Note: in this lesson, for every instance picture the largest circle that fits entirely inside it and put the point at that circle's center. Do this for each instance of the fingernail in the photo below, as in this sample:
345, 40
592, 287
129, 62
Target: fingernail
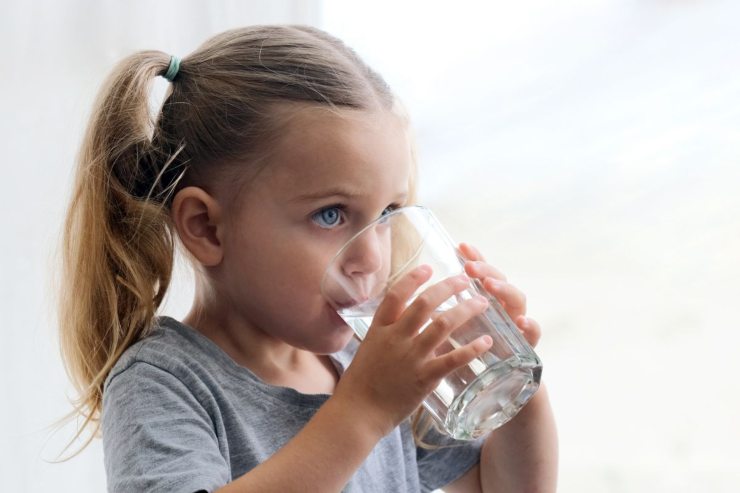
484, 342
481, 300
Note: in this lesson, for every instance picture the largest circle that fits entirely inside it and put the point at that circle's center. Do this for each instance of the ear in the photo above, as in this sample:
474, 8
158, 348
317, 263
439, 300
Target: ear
199, 223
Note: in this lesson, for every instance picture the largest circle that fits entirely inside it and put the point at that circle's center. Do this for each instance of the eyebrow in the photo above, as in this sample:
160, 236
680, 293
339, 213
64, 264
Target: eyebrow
336, 192
327, 192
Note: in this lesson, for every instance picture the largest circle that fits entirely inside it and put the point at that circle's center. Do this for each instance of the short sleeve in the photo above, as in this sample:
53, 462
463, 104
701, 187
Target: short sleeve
157, 436
445, 459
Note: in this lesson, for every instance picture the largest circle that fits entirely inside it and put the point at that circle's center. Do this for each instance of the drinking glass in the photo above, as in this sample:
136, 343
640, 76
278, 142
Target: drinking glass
475, 398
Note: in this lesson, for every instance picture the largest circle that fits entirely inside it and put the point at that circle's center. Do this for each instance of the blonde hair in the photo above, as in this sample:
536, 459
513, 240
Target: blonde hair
118, 241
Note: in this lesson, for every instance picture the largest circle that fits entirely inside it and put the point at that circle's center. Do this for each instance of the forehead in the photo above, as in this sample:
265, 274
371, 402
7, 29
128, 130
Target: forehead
319, 149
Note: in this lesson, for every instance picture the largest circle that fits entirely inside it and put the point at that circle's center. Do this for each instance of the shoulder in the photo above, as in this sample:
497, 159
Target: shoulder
159, 399
175, 368
160, 345
170, 348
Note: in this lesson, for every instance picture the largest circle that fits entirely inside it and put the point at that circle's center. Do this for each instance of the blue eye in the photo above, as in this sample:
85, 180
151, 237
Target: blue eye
328, 218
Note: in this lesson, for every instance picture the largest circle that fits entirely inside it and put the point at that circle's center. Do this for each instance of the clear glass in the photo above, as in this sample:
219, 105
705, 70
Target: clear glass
476, 398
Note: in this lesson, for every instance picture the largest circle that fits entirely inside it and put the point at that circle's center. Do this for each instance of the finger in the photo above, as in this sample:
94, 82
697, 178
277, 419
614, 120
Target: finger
513, 299
420, 311
480, 270
448, 321
530, 329
442, 365
394, 302
470, 252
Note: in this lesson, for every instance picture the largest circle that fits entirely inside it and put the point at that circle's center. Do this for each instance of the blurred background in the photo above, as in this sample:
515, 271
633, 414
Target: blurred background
590, 148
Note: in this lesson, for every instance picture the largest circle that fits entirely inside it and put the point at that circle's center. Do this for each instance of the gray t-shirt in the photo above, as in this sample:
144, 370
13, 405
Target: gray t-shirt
180, 415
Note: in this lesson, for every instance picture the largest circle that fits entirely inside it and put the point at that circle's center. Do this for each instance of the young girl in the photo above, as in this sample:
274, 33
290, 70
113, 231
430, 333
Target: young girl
274, 145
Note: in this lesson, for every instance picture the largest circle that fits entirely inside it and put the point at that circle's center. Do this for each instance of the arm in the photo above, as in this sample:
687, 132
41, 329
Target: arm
393, 370
327, 451
521, 456
516, 458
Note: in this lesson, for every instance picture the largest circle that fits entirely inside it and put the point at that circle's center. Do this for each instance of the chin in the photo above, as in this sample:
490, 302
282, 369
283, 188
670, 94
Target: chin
339, 338
347, 336
332, 334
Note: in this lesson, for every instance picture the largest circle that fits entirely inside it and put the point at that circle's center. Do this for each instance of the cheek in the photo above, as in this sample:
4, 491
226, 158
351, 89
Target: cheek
284, 262
293, 272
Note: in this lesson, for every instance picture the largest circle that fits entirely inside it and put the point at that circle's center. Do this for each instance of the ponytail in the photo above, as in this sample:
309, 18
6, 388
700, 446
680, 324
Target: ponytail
117, 247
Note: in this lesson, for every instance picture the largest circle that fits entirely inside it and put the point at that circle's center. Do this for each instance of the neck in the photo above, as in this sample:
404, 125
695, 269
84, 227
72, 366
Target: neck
272, 360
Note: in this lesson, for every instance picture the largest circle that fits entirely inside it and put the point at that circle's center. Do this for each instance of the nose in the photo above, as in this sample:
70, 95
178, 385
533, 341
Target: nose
367, 254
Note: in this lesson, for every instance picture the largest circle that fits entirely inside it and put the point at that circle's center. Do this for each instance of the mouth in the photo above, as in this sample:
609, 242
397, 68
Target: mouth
341, 305
335, 317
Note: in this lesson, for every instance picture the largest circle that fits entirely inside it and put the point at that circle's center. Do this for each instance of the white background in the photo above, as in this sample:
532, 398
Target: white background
591, 149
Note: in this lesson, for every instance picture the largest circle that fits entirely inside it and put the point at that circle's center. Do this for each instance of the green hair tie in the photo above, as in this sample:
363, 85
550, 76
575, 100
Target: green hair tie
172, 69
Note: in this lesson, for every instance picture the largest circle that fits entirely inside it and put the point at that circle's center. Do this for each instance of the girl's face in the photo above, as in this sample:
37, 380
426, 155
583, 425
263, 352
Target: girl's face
330, 174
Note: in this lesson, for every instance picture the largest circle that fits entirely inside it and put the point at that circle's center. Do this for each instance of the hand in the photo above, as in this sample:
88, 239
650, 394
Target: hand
396, 366
511, 298
523, 454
